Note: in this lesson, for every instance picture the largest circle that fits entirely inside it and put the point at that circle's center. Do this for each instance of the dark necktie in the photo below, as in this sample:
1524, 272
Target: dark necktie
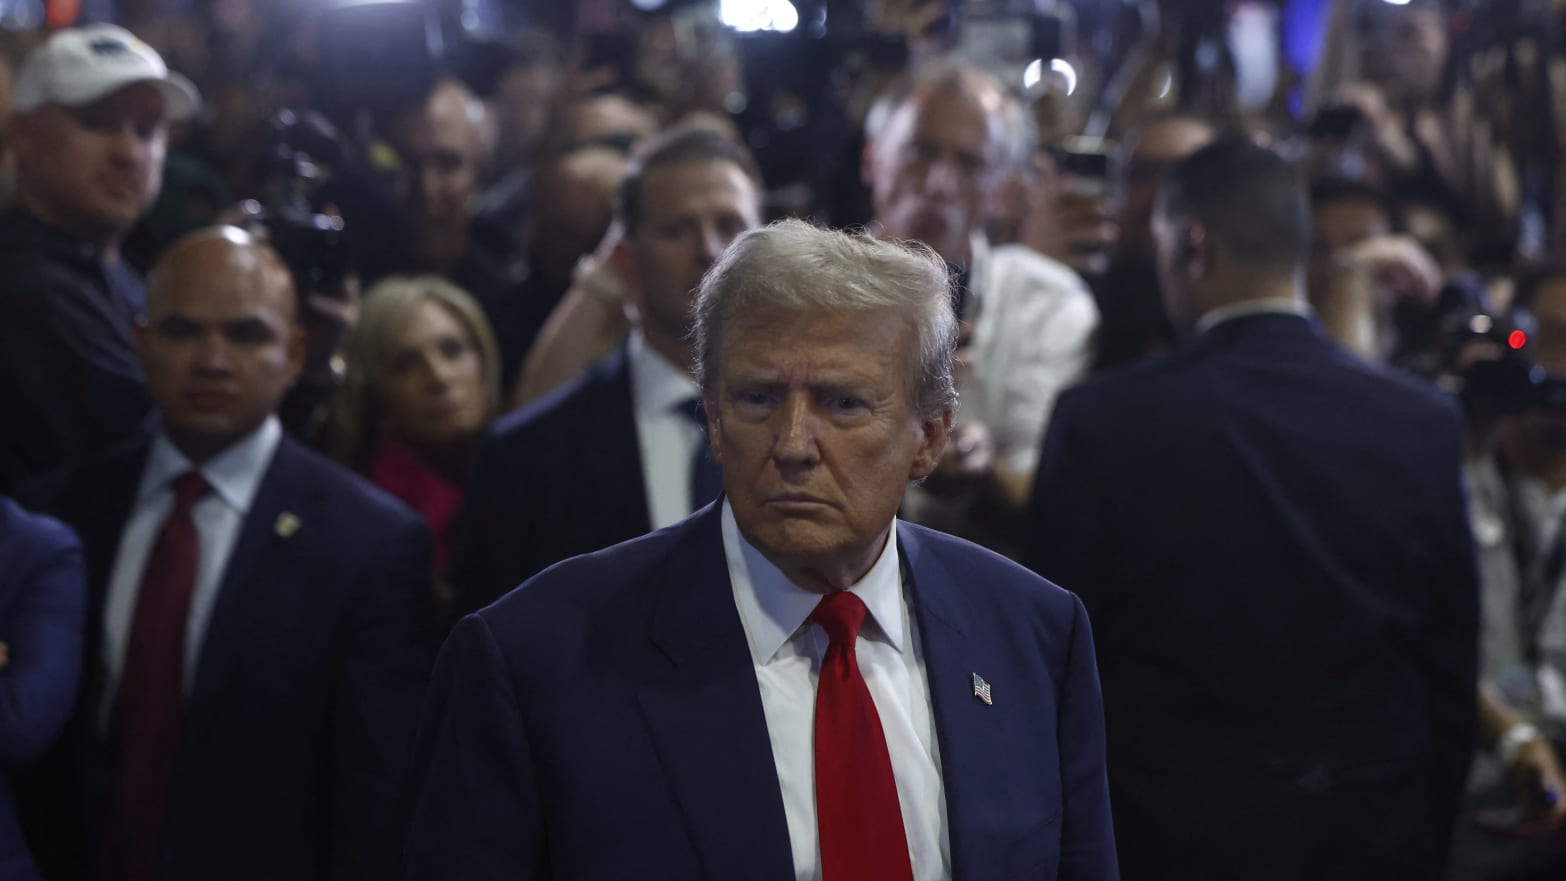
706, 476
150, 701
857, 813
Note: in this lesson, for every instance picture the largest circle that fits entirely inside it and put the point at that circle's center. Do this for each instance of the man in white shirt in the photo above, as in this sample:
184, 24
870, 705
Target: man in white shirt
790, 684
261, 619
938, 147
619, 451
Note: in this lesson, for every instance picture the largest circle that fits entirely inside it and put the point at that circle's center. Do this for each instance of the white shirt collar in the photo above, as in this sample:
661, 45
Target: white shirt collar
657, 386
1271, 306
772, 608
234, 474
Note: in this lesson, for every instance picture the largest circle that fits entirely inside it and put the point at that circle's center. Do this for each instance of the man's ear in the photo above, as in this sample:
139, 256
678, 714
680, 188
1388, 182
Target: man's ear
1197, 250
625, 267
934, 432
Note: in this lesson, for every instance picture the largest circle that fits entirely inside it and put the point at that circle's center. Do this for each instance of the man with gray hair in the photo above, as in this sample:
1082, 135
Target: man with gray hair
938, 148
706, 698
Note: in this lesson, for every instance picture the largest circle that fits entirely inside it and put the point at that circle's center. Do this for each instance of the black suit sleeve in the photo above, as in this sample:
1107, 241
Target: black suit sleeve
383, 669
473, 800
1087, 838
1449, 653
1067, 531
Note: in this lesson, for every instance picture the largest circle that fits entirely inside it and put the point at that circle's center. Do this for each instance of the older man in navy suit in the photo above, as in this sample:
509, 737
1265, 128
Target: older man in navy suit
1272, 538
260, 621
790, 683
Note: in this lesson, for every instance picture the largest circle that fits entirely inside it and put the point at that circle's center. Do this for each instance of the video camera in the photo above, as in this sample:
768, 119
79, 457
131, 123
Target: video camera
304, 153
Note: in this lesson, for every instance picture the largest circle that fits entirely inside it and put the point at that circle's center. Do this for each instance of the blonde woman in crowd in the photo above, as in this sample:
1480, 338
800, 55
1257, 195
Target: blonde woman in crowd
422, 382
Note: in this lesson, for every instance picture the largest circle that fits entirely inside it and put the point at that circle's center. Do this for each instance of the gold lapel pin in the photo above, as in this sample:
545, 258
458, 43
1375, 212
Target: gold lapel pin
286, 525
981, 690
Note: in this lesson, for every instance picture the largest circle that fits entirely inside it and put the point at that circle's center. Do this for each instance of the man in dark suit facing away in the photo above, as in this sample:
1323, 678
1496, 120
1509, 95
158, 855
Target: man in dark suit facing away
1272, 539
259, 620
791, 683
619, 451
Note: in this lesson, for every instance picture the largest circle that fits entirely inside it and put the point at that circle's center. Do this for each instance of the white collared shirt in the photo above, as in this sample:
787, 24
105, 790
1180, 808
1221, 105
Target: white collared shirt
1033, 322
234, 475
787, 651
1270, 306
667, 437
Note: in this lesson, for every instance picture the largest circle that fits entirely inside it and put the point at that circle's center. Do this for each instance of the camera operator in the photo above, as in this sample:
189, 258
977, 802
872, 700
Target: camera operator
1517, 489
1362, 277
93, 109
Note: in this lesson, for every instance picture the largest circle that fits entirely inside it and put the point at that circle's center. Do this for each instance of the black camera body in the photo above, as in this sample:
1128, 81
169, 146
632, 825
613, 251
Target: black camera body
304, 152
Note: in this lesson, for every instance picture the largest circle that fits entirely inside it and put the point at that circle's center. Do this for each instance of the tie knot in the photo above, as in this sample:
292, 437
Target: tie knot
189, 487
840, 614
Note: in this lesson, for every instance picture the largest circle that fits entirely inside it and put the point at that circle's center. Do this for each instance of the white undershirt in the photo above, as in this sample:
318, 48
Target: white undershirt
1268, 306
234, 475
666, 436
787, 651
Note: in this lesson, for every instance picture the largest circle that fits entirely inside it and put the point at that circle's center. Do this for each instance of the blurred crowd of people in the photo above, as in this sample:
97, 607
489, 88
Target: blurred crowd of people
339, 358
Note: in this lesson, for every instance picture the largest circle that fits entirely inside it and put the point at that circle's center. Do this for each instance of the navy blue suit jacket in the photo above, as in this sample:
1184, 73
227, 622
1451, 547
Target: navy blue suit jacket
305, 704
558, 478
1271, 537
604, 721
43, 597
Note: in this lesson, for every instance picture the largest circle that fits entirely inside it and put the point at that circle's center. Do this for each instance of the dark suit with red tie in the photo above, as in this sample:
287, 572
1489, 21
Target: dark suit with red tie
604, 721
296, 730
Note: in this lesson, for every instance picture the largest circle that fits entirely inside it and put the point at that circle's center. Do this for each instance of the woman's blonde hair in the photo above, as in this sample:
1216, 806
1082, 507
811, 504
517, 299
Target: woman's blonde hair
353, 422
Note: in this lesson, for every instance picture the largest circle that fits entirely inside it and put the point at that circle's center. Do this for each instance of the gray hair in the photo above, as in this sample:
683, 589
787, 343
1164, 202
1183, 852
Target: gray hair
795, 266
1018, 133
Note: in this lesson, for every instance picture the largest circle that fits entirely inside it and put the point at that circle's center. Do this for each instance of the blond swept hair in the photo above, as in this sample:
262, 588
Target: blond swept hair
388, 307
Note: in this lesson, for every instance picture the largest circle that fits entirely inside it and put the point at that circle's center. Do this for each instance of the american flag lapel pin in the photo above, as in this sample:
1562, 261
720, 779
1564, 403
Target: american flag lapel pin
981, 690
287, 524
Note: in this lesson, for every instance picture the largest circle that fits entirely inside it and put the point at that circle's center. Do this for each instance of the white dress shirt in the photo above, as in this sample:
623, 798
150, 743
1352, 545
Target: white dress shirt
1270, 306
234, 475
787, 651
1033, 321
667, 436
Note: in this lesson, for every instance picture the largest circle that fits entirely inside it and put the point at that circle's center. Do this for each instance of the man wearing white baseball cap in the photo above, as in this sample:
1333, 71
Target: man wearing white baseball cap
89, 130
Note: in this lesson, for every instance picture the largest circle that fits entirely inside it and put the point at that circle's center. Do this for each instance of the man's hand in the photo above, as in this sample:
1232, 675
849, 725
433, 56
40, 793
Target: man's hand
1067, 224
1540, 789
1399, 269
5, 656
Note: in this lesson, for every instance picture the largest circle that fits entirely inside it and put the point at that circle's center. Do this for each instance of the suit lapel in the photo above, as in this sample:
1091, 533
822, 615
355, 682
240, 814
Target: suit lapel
621, 474
975, 763
244, 598
704, 710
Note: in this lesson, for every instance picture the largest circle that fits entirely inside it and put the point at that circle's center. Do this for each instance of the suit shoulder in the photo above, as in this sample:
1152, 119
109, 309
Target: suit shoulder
540, 419
31, 535
981, 569
568, 591
365, 504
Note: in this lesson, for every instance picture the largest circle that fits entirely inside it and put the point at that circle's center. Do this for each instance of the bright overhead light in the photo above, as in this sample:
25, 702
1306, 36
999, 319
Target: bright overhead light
751, 16
1069, 73
1033, 73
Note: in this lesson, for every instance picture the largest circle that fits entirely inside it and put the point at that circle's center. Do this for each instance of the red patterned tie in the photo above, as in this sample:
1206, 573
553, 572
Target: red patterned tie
150, 699
857, 813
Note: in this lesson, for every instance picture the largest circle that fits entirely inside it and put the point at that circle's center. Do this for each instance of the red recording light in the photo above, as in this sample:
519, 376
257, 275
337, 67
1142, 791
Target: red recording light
1517, 339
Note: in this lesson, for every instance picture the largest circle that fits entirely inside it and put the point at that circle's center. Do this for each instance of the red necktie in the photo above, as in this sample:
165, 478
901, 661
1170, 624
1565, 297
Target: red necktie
150, 700
857, 813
